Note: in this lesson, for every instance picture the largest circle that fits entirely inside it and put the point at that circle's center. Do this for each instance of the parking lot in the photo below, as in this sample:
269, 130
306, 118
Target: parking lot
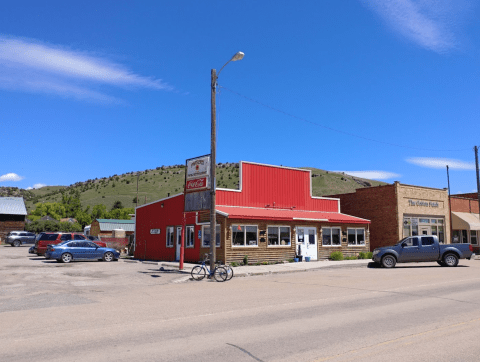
126, 310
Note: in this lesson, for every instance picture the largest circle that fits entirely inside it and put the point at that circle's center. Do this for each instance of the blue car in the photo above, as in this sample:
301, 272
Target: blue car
80, 250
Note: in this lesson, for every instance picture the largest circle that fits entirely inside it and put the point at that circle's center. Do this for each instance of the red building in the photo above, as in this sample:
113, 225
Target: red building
271, 217
465, 219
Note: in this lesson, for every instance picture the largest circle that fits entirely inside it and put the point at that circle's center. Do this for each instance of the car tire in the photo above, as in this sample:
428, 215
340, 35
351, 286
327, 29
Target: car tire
450, 260
16, 243
441, 263
66, 258
108, 256
389, 261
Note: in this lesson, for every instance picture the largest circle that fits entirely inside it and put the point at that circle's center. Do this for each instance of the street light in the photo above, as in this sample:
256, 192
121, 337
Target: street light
213, 147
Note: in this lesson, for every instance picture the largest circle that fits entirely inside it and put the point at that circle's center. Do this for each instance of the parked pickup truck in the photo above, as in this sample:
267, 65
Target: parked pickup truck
422, 248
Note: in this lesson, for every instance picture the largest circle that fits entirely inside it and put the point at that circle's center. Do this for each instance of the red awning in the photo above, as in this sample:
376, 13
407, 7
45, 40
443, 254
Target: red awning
233, 212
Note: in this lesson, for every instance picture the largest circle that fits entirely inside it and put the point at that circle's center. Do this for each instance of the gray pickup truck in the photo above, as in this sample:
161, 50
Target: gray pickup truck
422, 248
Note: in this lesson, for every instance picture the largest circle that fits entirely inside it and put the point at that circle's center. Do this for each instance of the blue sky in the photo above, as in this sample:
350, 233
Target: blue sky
384, 89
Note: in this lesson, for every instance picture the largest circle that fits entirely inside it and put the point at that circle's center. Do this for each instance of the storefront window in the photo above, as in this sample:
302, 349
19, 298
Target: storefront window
244, 235
455, 236
473, 237
424, 221
331, 236
170, 236
206, 236
279, 235
434, 230
441, 235
190, 236
356, 236
464, 237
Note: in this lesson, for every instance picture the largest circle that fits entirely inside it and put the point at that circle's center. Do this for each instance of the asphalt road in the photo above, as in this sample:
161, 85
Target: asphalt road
124, 311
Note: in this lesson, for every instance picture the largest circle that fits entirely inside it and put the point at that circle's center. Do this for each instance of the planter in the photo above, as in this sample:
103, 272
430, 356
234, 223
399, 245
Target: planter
295, 260
307, 258
299, 257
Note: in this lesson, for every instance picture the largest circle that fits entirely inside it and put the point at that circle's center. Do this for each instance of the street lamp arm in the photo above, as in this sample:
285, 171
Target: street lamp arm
237, 56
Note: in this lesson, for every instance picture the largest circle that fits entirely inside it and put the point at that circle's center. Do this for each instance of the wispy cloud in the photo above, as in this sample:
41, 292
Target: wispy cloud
372, 175
430, 24
36, 186
434, 162
29, 65
11, 177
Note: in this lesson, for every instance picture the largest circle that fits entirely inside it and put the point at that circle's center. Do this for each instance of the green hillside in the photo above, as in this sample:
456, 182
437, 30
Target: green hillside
158, 183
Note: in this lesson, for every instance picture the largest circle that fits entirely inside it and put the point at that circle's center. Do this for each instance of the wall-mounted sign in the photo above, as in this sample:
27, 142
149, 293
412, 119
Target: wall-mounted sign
198, 167
154, 231
196, 184
422, 203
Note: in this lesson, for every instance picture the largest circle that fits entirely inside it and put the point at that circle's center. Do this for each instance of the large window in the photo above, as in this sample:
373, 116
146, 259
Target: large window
190, 236
331, 237
278, 235
206, 236
244, 235
170, 235
356, 236
473, 237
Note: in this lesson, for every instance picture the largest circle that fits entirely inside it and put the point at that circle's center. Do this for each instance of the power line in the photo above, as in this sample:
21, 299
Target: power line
337, 130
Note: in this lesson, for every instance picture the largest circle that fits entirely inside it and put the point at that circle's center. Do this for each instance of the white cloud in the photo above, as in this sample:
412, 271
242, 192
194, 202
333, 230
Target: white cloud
38, 186
430, 24
435, 162
372, 175
11, 177
28, 65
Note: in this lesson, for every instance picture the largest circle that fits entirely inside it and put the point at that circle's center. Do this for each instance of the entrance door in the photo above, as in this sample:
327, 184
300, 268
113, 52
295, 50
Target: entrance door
425, 230
307, 242
178, 243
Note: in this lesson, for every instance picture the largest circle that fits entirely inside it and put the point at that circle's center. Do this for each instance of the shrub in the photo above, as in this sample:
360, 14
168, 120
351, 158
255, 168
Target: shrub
291, 260
365, 255
245, 260
265, 263
234, 263
353, 257
336, 255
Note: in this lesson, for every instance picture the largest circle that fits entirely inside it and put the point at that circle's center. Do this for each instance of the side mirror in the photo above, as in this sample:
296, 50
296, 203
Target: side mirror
404, 244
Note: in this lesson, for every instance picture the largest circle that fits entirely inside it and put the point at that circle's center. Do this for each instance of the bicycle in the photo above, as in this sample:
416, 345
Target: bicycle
219, 273
228, 268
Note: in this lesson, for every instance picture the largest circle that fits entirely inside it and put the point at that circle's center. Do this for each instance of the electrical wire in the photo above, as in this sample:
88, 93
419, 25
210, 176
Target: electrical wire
337, 130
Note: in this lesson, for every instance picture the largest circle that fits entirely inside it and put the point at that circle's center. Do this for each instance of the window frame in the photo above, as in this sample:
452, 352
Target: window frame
186, 236
244, 236
278, 229
170, 231
331, 236
217, 245
356, 235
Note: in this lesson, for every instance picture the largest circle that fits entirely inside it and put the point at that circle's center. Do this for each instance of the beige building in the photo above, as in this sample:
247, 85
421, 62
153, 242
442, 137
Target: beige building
399, 210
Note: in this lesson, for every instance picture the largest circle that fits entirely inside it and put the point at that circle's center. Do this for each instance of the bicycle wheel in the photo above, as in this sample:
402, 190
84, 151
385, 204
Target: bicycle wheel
220, 274
229, 272
198, 273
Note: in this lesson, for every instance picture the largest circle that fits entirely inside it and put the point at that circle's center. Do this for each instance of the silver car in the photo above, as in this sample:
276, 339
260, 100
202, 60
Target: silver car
17, 238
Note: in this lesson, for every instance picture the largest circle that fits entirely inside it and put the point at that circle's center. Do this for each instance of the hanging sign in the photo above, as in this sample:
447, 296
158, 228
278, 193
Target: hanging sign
197, 184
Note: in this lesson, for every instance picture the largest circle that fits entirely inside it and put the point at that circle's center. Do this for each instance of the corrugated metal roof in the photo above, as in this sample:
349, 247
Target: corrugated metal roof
12, 206
111, 224
285, 214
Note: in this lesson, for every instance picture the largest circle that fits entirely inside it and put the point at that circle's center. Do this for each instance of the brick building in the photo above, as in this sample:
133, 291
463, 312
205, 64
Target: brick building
465, 219
12, 215
271, 217
399, 210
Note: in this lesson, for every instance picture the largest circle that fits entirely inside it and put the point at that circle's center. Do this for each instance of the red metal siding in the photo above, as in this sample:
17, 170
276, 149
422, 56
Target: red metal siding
280, 187
154, 216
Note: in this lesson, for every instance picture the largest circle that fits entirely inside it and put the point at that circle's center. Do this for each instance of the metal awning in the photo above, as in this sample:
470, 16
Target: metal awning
465, 221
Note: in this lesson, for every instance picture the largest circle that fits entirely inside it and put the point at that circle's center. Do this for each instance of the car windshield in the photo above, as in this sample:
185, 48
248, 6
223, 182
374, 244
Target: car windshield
401, 241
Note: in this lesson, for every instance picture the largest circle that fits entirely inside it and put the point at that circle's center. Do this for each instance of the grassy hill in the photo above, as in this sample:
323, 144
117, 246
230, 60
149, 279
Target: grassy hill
158, 183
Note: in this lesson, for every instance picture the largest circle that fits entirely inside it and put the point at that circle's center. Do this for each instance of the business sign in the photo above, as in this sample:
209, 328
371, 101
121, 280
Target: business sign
422, 203
154, 231
197, 184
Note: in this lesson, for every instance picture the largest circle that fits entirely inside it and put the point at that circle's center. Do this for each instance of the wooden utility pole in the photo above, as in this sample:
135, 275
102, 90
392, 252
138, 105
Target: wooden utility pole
449, 207
478, 178
213, 147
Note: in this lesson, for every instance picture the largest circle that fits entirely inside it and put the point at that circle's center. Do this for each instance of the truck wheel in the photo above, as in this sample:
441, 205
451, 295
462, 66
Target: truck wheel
441, 263
389, 261
450, 259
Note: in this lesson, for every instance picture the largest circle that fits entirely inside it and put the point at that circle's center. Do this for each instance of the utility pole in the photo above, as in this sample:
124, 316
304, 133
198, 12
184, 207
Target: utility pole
213, 147
449, 207
478, 178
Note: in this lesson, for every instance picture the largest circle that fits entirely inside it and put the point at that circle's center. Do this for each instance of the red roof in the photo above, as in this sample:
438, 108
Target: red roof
287, 214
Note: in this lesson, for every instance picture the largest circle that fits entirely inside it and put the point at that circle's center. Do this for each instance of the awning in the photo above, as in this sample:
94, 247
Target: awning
252, 213
465, 221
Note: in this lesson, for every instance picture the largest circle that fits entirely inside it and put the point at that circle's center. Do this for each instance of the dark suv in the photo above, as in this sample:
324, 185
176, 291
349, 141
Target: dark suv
17, 238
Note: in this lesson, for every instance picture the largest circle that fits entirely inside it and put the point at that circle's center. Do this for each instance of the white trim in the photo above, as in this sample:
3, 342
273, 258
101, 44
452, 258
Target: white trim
244, 236
302, 218
331, 236
154, 202
355, 217
278, 227
221, 212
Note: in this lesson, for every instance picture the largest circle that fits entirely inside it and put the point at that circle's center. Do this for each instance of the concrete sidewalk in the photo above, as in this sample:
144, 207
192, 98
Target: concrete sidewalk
244, 271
